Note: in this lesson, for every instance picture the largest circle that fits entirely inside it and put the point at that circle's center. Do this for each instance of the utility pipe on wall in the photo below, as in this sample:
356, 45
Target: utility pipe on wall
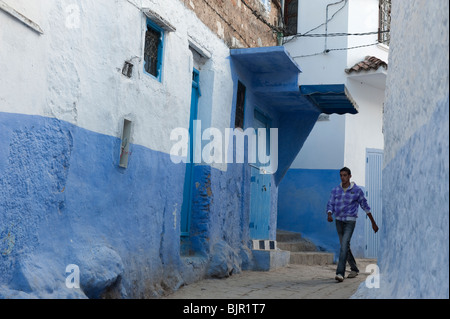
281, 23
326, 21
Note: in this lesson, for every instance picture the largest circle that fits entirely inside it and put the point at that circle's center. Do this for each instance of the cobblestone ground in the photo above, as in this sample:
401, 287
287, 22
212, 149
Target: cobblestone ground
290, 282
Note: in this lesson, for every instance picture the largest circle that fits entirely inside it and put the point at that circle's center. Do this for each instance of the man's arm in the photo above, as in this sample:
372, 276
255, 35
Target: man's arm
364, 205
330, 207
374, 224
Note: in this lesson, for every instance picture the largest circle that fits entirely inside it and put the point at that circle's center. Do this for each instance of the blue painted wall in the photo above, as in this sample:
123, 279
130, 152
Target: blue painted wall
276, 95
63, 197
415, 233
302, 202
65, 200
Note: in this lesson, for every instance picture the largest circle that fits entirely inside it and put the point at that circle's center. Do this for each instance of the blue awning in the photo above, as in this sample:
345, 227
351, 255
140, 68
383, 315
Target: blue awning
330, 98
275, 81
273, 77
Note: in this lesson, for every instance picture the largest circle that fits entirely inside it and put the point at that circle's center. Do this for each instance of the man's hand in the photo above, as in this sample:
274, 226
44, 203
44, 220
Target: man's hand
330, 217
374, 225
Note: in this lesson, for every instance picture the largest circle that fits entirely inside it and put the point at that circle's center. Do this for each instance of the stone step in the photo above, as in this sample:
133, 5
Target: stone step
311, 258
302, 245
288, 236
266, 260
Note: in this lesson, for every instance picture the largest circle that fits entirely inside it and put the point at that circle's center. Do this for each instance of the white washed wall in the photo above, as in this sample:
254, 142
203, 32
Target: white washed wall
363, 130
324, 148
343, 140
414, 251
363, 18
71, 73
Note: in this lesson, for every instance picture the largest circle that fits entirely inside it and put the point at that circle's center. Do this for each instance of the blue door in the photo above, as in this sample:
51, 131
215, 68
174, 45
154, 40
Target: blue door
260, 185
374, 168
188, 180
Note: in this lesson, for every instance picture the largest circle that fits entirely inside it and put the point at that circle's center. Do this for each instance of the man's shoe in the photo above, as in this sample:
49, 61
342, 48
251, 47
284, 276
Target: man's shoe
339, 278
352, 274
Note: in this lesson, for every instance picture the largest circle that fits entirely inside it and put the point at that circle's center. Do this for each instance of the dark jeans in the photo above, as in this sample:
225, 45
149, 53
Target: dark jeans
345, 231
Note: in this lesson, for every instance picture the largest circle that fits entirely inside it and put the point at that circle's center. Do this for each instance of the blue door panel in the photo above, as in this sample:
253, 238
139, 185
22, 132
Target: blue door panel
188, 180
260, 204
374, 168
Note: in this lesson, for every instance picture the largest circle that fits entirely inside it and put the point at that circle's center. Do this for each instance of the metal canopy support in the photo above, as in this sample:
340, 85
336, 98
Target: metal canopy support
331, 98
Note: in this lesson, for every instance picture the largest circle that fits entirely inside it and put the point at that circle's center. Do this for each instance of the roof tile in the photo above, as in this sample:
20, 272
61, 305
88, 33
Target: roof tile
369, 63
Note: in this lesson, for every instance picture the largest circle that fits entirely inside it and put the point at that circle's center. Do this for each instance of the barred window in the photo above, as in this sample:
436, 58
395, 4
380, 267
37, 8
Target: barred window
384, 35
290, 17
240, 106
154, 37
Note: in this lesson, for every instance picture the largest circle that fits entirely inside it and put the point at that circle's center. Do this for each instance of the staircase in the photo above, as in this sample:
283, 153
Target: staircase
303, 251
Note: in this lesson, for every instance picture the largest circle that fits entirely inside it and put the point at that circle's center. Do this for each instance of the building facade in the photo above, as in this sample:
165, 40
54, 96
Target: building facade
118, 176
337, 43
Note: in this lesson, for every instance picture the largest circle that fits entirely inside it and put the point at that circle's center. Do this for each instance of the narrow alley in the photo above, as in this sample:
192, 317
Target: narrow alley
185, 150
291, 282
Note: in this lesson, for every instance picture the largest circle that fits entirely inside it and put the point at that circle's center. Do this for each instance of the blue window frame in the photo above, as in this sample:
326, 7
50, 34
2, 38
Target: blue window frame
153, 50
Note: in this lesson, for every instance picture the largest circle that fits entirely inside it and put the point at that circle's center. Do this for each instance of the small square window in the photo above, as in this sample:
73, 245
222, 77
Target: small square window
153, 51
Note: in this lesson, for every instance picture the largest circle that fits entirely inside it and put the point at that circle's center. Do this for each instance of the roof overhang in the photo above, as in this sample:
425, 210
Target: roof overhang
371, 71
275, 81
274, 76
330, 98
266, 60
375, 78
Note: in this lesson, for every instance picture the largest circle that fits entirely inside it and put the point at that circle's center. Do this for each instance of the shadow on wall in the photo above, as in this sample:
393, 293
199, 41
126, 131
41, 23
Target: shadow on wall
302, 201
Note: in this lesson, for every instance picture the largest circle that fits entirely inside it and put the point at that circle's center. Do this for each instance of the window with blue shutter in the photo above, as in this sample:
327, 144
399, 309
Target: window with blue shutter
153, 51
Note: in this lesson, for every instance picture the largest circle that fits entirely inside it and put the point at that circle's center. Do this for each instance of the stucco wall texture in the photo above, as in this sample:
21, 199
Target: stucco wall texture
414, 244
63, 197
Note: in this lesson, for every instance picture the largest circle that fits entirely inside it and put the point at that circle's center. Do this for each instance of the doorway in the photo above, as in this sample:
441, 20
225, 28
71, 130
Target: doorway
260, 186
186, 208
374, 170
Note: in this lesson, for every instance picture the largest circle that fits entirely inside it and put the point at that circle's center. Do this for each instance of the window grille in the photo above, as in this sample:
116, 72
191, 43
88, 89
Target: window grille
290, 17
153, 51
384, 35
240, 105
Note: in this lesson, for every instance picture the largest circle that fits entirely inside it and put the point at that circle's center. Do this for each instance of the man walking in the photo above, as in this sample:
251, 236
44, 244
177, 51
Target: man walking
343, 203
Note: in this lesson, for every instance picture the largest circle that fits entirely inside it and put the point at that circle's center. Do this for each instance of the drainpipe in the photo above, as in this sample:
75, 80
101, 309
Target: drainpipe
326, 23
281, 24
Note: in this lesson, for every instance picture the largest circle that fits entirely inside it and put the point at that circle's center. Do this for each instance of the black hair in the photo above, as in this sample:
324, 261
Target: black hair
346, 169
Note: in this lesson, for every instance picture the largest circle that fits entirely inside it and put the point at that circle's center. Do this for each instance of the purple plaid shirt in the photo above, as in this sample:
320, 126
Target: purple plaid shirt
345, 204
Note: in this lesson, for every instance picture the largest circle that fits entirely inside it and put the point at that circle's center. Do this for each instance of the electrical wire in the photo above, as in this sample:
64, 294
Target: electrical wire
259, 17
228, 23
339, 49
135, 5
320, 25
340, 34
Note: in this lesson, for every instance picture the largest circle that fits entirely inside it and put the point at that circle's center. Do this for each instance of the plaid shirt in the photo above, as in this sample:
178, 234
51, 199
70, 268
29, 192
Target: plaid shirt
345, 204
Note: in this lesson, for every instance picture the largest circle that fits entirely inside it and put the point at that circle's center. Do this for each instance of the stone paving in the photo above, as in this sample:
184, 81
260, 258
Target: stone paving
290, 282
